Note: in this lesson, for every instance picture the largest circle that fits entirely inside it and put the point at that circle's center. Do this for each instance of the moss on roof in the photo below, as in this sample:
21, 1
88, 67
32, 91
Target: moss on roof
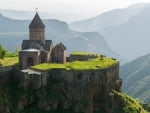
97, 63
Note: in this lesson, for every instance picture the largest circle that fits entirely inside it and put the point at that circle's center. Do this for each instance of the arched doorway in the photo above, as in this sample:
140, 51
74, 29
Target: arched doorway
30, 61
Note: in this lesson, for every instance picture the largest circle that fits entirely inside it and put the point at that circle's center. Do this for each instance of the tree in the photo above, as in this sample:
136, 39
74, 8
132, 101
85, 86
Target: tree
2, 52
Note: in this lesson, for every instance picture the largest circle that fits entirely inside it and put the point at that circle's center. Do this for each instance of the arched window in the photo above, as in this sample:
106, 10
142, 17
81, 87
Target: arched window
30, 61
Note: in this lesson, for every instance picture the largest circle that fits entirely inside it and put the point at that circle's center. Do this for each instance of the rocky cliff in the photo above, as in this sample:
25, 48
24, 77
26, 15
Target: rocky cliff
65, 91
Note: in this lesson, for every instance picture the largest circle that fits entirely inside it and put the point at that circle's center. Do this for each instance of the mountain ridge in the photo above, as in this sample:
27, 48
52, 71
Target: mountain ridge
122, 27
56, 30
123, 13
136, 78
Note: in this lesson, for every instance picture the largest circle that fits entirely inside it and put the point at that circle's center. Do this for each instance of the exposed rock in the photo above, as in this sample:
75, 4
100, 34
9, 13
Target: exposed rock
4, 109
31, 78
81, 91
23, 102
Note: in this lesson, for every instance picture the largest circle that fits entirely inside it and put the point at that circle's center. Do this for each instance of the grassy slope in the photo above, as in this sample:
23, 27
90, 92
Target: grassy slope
82, 53
124, 103
79, 65
136, 78
9, 61
130, 105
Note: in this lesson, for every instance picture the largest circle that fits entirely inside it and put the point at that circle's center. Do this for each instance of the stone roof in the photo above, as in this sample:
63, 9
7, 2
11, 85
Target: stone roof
36, 44
30, 71
48, 44
61, 45
36, 22
31, 50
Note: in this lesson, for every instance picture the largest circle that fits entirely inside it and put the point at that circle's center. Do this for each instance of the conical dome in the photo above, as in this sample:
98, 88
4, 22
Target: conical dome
36, 22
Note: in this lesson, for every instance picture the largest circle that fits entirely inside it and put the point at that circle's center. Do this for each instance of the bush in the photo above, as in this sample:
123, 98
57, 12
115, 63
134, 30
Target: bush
2, 52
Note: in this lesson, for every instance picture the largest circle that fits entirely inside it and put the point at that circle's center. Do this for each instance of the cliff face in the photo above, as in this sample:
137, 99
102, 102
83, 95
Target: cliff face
67, 91
81, 90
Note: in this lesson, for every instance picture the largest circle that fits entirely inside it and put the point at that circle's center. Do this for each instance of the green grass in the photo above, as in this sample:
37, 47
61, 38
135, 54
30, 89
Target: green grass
79, 65
81, 53
130, 104
46, 66
9, 61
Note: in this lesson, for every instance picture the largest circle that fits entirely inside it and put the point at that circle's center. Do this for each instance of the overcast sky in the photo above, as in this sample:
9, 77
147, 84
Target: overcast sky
83, 8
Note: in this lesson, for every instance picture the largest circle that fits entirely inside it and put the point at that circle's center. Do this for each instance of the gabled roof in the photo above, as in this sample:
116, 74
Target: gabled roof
61, 45
36, 22
31, 50
36, 44
27, 44
48, 44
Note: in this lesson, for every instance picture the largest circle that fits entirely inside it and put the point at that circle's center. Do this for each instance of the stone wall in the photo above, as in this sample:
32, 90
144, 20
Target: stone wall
58, 55
5, 69
25, 55
69, 91
45, 56
81, 77
33, 79
37, 34
81, 57
85, 91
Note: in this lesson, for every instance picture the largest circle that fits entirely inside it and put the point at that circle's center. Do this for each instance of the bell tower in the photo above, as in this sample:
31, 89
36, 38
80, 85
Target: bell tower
37, 29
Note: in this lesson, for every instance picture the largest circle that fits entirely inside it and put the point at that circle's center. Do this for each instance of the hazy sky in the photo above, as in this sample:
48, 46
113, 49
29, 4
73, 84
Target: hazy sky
83, 8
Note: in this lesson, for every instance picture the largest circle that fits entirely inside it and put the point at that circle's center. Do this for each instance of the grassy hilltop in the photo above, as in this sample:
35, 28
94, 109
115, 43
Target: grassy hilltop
13, 97
96, 63
10, 59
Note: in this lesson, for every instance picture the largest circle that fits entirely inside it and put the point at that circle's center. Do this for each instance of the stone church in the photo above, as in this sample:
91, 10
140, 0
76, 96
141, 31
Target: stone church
37, 50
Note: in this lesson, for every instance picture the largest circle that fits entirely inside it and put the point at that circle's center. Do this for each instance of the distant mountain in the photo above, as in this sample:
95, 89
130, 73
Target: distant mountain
27, 14
17, 14
132, 37
12, 32
127, 30
10, 25
136, 78
107, 19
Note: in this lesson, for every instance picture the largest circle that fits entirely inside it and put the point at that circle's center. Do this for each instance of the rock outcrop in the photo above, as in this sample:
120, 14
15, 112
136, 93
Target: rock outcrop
82, 90
67, 91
